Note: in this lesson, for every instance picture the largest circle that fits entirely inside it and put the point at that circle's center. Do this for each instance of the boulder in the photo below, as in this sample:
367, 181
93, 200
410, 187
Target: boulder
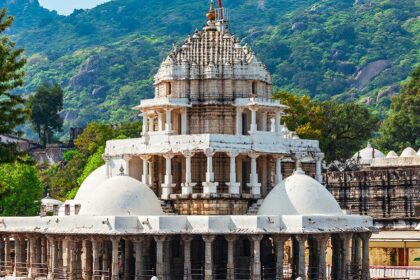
387, 92
370, 71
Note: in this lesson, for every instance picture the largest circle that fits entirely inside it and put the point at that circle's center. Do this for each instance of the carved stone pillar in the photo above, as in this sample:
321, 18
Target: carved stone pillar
279, 175
53, 258
253, 177
127, 257
256, 264
138, 249
278, 121
7, 256
365, 255
145, 126
86, 259
208, 262
115, 275
322, 247
233, 184
279, 241
231, 239
187, 187
187, 239
18, 256
184, 121
168, 123
300, 256
32, 270
253, 127
145, 176
160, 265
345, 254
239, 112
210, 187
167, 186
95, 258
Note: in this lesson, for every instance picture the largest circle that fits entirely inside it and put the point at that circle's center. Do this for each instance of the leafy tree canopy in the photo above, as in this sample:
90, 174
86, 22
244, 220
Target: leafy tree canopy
341, 128
79, 163
20, 190
12, 112
44, 107
402, 127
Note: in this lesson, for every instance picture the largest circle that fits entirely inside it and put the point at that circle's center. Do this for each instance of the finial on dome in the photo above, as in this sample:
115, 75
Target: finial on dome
211, 15
369, 145
122, 173
299, 171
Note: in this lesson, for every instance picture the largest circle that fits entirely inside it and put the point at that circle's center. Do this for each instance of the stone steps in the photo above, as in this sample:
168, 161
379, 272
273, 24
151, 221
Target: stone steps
167, 207
253, 209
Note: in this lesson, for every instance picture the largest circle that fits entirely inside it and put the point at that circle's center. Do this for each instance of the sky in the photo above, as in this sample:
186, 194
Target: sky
66, 7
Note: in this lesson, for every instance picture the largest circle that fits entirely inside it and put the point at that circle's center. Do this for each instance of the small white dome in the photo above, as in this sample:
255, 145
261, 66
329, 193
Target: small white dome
418, 153
122, 196
48, 201
300, 194
392, 154
90, 184
366, 155
409, 152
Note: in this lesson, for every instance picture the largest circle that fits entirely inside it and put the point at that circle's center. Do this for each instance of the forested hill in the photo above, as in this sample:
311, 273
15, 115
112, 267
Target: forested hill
105, 58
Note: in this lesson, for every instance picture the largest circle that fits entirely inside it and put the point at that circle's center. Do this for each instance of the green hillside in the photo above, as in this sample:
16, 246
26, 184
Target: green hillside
105, 58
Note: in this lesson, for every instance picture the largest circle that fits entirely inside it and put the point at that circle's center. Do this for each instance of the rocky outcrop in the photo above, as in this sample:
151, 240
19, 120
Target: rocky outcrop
87, 73
387, 92
370, 71
100, 92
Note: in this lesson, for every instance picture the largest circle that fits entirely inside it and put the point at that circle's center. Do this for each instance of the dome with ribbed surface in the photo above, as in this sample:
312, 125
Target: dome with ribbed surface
122, 196
300, 194
392, 154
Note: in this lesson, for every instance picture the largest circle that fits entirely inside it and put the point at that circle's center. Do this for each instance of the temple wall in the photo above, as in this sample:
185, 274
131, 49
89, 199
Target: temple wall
382, 194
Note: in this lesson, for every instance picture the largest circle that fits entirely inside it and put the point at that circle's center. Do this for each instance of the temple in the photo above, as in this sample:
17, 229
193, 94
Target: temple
215, 188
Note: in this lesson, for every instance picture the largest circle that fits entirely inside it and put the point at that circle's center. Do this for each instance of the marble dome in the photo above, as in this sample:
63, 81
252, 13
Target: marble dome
392, 154
366, 155
122, 196
409, 152
300, 194
90, 184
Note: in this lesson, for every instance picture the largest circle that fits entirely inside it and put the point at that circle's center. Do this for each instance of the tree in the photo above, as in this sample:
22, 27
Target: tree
347, 127
20, 190
341, 128
12, 111
303, 116
44, 107
402, 127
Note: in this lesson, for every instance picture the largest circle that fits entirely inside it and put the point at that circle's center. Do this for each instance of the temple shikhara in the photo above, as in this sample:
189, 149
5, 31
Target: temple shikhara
214, 188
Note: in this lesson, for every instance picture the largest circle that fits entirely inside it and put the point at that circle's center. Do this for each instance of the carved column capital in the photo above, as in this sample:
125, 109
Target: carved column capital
232, 154
280, 238
256, 237
209, 238
169, 155
187, 238
231, 238
188, 153
210, 152
253, 155
146, 157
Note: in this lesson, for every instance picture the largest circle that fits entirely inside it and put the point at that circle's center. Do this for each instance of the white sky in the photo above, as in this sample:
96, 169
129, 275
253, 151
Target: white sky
66, 7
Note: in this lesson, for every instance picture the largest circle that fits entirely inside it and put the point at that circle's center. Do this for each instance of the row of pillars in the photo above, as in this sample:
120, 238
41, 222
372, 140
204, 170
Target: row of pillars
96, 258
210, 186
275, 122
164, 122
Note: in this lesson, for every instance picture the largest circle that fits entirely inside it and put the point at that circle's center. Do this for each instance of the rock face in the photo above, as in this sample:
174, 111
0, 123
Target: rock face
387, 93
367, 73
87, 73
